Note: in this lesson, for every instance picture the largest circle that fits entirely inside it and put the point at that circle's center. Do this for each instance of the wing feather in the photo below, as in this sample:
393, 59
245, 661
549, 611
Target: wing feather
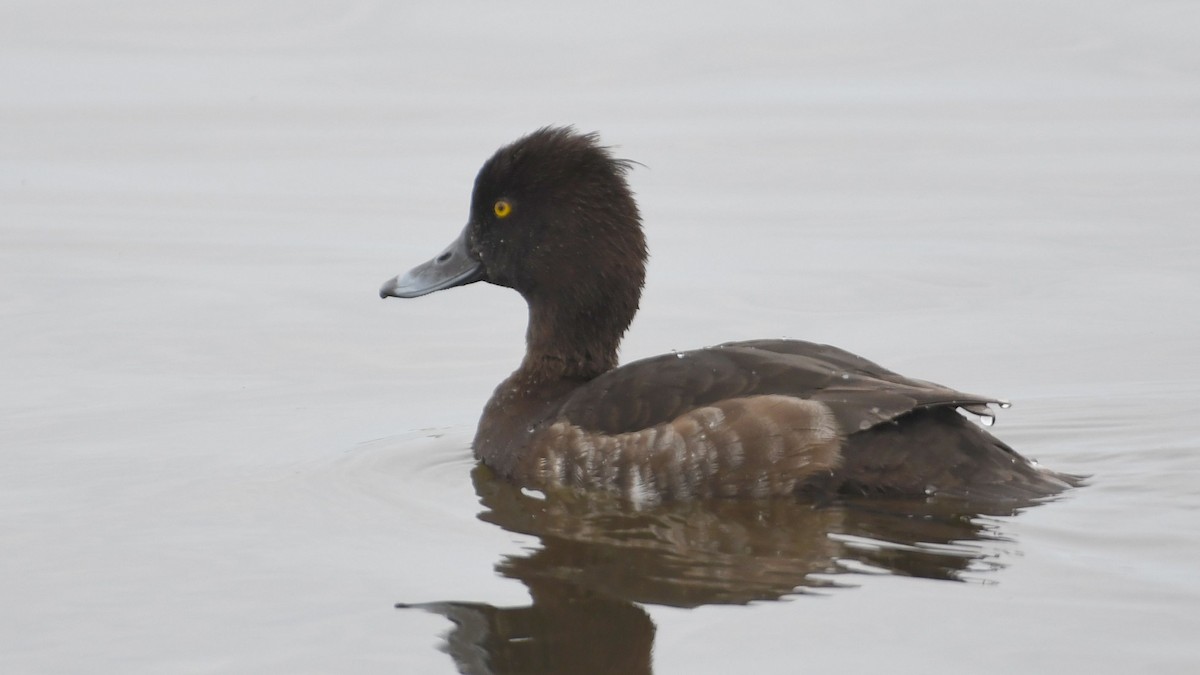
860, 393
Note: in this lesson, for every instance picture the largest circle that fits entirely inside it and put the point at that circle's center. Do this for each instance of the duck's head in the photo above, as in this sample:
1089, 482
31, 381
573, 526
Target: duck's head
553, 218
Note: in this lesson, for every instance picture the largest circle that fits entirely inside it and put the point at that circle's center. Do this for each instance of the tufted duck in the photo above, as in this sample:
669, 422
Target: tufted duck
553, 218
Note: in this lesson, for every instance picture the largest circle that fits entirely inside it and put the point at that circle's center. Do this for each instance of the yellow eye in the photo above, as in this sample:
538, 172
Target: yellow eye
502, 209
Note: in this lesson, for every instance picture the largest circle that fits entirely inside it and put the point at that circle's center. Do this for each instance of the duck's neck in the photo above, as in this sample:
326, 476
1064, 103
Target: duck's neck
571, 342
568, 343
563, 350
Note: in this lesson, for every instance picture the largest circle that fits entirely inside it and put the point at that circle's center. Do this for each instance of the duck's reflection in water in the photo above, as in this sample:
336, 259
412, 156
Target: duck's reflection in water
598, 558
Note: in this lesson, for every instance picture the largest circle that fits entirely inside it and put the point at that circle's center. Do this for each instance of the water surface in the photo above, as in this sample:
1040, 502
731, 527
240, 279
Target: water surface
222, 453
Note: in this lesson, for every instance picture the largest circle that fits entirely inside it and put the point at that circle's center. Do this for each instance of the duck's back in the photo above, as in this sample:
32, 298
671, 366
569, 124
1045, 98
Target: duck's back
770, 417
861, 394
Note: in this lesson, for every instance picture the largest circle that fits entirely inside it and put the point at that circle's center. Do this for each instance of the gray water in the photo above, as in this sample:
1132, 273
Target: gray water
221, 452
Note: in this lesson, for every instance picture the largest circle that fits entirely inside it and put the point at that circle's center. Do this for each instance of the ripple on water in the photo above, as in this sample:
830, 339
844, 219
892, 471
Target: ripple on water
414, 484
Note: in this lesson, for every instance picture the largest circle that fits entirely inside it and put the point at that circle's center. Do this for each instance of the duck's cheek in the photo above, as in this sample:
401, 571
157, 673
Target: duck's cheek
500, 267
494, 273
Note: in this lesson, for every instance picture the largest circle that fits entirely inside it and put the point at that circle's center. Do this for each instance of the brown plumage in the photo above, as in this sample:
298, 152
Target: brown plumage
553, 218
